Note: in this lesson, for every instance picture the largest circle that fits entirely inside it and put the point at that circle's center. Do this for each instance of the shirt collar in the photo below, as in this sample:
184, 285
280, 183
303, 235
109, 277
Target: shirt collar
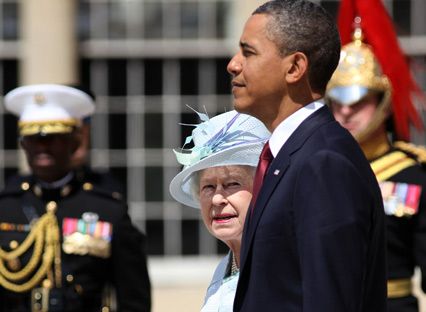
286, 128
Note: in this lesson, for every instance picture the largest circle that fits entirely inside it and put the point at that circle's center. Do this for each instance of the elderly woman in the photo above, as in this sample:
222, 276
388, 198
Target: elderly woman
218, 177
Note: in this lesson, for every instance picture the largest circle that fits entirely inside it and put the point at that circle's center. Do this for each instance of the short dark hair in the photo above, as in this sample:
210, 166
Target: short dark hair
303, 26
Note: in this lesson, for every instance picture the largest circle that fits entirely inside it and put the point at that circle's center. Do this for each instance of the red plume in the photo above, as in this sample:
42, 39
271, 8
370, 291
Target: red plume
379, 32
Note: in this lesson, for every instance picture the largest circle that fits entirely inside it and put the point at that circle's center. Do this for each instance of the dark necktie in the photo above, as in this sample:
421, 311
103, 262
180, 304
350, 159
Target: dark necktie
265, 160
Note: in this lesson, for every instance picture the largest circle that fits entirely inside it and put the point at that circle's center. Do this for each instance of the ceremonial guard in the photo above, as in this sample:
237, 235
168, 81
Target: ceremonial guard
62, 237
364, 95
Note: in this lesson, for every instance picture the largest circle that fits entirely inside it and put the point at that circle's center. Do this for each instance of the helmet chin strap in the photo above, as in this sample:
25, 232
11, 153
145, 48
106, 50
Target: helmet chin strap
382, 113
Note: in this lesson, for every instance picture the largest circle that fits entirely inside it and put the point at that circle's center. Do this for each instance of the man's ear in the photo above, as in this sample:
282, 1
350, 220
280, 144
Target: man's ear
21, 141
298, 62
77, 138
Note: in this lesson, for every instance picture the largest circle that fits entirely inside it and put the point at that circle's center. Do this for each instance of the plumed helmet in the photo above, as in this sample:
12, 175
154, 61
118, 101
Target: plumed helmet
357, 75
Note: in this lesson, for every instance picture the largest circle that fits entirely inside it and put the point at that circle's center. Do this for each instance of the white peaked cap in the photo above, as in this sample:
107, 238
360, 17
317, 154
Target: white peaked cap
48, 108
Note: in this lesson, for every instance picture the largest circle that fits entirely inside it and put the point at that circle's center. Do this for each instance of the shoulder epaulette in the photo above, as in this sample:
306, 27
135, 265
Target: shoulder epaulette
390, 164
90, 187
416, 151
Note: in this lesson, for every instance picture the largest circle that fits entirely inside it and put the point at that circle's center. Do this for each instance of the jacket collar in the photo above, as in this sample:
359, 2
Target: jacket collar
276, 171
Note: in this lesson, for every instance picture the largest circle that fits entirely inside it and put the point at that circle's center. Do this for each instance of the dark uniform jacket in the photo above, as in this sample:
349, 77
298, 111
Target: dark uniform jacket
403, 182
98, 243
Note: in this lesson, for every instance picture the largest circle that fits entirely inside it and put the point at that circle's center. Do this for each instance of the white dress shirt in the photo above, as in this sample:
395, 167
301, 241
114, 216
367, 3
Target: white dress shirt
286, 128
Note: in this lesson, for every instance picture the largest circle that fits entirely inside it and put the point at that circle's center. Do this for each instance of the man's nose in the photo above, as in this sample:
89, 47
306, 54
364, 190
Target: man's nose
38, 143
346, 110
234, 66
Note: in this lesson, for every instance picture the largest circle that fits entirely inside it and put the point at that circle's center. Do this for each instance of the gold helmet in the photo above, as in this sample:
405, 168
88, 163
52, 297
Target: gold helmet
358, 75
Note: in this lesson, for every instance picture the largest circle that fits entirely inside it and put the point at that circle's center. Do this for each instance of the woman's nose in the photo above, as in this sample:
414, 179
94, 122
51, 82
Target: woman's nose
219, 199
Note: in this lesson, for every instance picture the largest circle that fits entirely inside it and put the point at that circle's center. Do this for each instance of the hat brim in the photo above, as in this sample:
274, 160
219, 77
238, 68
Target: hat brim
348, 95
242, 155
72, 103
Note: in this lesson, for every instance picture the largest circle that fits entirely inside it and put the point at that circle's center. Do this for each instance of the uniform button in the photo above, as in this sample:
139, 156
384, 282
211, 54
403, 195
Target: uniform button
37, 296
87, 186
79, 289
116, 195
70, 278
25, 186
47, 284
105, 309
14, 264
13, 244
65, 191
37, 191
51, 206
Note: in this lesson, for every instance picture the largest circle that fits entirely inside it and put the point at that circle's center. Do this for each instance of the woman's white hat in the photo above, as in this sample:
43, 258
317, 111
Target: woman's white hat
227, 139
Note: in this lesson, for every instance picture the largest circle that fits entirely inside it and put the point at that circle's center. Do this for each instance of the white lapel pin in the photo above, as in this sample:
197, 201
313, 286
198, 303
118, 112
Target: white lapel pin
276, 172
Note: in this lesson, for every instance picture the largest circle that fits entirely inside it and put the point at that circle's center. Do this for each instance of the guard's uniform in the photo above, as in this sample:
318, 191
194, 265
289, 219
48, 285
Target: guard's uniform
402, 178
97, 244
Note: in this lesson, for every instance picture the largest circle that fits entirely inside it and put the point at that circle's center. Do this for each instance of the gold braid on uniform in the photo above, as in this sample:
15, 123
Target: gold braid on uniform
418, 151
44, 235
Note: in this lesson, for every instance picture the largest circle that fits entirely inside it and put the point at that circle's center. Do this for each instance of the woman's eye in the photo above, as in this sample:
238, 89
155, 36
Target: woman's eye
207, 187
233, 184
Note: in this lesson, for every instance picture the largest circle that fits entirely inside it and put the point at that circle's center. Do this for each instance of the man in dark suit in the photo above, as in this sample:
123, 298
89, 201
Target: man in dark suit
314, 240
62, 237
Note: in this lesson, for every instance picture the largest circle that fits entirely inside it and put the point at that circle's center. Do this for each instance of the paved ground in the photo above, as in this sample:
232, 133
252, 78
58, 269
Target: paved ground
185, 299
179, 284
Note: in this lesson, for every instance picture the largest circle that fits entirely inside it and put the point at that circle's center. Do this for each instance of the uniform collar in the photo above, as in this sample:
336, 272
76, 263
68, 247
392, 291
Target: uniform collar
56, 189
376, 146
57, 184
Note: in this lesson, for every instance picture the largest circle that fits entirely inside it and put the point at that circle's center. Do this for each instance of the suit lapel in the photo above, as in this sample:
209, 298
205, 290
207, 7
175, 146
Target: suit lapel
277, 170
306, 129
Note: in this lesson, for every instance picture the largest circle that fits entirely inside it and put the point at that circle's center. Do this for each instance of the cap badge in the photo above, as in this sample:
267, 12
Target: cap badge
39, 98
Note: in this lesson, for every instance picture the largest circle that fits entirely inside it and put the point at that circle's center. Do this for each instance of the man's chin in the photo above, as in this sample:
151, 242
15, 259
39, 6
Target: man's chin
45, 173
241, 107
43, 167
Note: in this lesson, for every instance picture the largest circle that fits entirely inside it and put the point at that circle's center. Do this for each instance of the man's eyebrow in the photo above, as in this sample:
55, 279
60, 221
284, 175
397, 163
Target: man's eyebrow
245, 45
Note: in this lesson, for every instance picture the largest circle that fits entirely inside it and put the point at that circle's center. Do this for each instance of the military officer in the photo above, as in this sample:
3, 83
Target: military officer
359, 95
62, 238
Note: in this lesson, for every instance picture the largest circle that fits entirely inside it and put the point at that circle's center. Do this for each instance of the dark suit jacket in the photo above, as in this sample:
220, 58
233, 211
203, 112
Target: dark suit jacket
316, 238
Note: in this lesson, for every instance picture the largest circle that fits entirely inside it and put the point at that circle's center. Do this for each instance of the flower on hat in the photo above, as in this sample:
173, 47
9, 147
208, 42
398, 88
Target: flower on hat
211, 140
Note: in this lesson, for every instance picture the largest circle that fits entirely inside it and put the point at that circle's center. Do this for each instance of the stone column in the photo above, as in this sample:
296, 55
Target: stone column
48, 52
48, 46
242, 10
